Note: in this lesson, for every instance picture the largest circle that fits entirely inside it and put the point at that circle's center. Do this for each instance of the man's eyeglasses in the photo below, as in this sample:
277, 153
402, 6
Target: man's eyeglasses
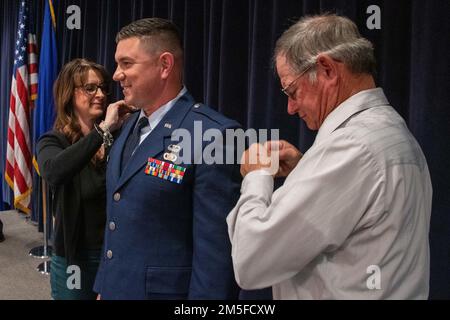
291, 93
91, 88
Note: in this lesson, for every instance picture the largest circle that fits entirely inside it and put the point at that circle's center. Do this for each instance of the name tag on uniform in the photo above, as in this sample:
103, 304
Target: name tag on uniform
165, 170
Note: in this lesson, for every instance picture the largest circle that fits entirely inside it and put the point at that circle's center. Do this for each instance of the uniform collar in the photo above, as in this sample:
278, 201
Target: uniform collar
159, 113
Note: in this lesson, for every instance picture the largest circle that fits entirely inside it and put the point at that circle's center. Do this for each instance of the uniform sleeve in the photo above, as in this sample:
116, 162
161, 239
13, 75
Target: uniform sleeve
58, 164
275, 235
216, 191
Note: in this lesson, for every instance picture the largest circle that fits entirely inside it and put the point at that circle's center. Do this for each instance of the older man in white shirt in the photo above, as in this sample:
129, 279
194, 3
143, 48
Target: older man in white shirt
351, 221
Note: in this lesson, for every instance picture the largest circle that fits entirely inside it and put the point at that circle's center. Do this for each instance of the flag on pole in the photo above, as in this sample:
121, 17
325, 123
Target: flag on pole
23, 90
44, 114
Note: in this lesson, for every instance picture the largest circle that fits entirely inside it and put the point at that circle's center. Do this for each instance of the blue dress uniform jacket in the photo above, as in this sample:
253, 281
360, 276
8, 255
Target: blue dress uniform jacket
168, 240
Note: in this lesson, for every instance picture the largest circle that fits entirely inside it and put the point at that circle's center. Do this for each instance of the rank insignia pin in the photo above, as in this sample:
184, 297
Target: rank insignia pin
174, 148
170, 157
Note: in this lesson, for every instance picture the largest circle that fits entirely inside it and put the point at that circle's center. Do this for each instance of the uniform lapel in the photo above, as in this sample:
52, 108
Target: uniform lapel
153, 144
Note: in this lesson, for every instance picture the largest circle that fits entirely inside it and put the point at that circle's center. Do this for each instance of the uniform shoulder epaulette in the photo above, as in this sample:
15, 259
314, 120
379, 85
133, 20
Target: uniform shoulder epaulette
200, 108
207, 112
211, 114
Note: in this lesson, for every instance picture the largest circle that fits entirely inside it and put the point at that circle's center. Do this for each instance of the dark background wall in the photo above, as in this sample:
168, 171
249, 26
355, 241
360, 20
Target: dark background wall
228, 50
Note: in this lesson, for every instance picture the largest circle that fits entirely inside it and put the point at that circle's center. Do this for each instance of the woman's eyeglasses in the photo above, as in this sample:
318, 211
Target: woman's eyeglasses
91, 88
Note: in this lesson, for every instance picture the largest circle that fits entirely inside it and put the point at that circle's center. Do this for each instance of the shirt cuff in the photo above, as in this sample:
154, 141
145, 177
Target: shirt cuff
258, 182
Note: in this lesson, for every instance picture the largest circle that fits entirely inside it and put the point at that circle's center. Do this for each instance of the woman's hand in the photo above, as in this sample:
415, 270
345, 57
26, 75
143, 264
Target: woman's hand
116, 114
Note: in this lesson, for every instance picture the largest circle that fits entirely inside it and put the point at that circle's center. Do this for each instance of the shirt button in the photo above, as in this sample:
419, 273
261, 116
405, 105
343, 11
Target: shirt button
109, 254
116, 196
112, 226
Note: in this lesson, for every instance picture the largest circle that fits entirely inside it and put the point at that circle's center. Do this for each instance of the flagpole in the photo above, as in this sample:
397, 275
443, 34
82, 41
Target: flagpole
45, 251
44, 267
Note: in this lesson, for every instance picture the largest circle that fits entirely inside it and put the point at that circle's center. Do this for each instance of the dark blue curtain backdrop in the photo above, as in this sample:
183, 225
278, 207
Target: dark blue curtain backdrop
228, 49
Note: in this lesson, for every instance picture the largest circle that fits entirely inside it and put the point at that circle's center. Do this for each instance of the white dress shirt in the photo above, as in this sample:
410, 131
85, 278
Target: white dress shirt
351, 220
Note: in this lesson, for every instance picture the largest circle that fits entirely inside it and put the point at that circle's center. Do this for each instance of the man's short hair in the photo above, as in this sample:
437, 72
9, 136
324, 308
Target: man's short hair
331, 34
158, 35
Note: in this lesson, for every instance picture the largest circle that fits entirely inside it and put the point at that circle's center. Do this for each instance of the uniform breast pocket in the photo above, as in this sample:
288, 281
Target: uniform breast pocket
168, 189
168, 283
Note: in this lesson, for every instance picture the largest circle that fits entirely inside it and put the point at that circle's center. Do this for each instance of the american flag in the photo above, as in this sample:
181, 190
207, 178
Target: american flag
23, 93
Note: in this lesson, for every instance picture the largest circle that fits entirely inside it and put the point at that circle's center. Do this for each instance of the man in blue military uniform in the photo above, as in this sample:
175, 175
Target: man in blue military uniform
166, 234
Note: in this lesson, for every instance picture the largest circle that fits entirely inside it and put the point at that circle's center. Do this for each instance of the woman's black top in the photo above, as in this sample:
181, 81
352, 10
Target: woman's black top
78, 187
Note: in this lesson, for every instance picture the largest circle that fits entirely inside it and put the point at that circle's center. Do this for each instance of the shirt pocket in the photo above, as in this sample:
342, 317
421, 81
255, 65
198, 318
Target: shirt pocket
168, 283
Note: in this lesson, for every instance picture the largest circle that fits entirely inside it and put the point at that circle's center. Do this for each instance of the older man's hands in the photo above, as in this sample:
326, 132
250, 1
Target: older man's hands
278, 158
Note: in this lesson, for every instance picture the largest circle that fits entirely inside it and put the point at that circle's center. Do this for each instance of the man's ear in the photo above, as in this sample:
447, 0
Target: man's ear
167, 62
327, 67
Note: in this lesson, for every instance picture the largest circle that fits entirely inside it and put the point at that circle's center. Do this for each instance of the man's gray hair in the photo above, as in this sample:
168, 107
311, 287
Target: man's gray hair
329, 34
157, 34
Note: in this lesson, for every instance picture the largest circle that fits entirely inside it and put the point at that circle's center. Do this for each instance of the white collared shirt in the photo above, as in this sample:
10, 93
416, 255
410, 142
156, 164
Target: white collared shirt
351, 221
157, 115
